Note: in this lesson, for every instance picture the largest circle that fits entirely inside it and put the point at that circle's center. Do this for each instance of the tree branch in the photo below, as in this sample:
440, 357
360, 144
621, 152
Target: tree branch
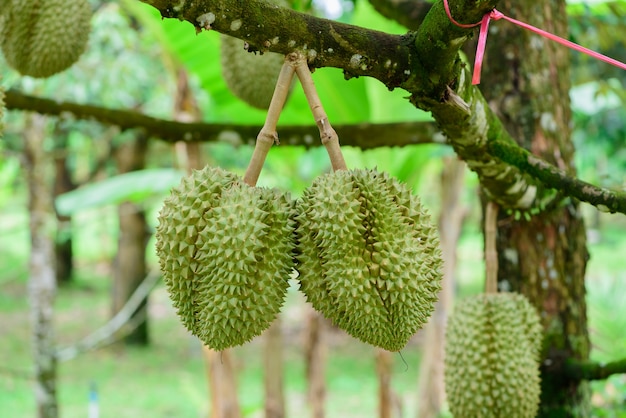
604, 199
107, 332
364, 135
591, 370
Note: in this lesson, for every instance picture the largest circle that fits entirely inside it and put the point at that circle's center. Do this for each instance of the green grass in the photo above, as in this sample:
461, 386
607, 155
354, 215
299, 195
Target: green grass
168, 379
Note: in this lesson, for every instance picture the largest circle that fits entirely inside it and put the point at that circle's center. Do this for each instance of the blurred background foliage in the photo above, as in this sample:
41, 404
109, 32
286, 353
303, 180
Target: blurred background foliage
131, 62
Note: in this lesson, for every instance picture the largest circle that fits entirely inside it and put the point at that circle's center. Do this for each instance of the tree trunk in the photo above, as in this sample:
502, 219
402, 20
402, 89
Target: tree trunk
274, 396
385, 392
315, 354
42, 281
63, 183
221, 376
543, 256
188, 154
431, 390
130, 263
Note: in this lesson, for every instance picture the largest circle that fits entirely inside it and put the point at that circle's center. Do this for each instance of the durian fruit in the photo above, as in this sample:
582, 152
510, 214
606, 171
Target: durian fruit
226, 252
492, 351
251, 76
40, 38
369, 257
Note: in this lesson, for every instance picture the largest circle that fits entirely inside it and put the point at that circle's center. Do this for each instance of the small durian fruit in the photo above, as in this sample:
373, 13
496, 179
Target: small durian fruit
369, 257
251, 76
40, 38
492, 351
226, 252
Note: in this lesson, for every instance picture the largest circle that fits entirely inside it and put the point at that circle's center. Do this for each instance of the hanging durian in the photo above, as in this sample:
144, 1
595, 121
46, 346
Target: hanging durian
369, 256
492, 351
251, 76
226, 252
40, 38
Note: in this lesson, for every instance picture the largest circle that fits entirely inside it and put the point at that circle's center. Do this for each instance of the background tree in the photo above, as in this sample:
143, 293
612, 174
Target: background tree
545, 256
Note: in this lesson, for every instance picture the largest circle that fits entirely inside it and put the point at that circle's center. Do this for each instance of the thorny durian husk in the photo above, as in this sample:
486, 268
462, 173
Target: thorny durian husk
492, 351
369, 257
40, 38
226, 252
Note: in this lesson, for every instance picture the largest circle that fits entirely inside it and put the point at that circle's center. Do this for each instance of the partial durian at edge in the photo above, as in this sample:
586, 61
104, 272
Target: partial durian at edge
368, 256
492, 354
40, 38
226, 252
251, 76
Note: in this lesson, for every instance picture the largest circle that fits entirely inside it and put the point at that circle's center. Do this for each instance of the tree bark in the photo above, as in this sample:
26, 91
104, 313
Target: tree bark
274, 394
384, 363
431, 388
315, 354
544, 255
130, 263
221, 376
186, 110
42, 281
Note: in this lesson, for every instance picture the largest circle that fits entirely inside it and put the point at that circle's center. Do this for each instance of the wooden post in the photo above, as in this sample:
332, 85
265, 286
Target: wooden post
130, 262
315, 354
221, 376
62, 183
274, 395
384, 362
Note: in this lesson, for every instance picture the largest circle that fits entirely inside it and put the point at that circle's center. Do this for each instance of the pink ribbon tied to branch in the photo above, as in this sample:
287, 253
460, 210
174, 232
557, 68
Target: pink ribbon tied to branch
496, 15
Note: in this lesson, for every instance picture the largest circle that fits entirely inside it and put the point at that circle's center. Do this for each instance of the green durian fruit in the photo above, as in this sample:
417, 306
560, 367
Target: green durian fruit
369, 257
492, 351
226, 252
251, 76
40, 38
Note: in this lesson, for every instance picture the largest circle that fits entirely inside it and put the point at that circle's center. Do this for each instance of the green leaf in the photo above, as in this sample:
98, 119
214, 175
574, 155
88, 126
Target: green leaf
134, 186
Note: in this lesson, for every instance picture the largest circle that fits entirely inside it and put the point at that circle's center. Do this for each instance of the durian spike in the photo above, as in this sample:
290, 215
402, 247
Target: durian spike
491, 254
268, 135
329, 137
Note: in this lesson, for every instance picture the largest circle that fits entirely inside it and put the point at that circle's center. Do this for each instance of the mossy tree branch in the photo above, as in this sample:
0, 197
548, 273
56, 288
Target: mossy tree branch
591, 370
364, 136
604, 199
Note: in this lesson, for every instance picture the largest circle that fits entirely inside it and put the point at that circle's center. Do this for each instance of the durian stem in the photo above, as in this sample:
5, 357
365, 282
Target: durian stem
329, 137
268, 135
491, 254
